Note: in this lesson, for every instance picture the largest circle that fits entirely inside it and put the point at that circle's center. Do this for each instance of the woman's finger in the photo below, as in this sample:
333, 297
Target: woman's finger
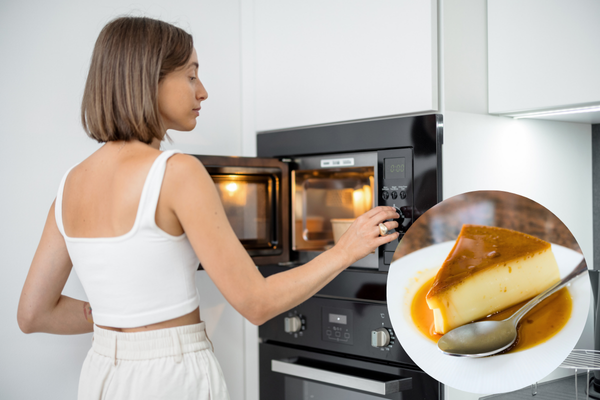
381, 240
391, 224
374, 211
384, 227
384, 215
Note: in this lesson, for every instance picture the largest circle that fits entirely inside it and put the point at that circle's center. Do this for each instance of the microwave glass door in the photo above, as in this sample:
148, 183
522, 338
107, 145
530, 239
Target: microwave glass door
248, 203
326, 201
254, 194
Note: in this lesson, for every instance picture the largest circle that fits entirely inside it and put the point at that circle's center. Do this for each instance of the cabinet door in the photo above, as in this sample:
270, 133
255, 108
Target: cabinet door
543, 54
320, 62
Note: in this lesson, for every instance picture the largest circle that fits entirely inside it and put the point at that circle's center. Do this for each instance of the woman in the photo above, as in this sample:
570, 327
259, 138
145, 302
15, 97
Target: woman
135, 221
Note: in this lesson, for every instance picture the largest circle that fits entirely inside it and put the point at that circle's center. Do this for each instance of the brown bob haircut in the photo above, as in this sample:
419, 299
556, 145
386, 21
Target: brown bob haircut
131, 56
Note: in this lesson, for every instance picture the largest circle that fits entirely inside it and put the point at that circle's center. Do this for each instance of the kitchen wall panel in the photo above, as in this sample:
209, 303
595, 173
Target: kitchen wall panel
320, 62
541, 160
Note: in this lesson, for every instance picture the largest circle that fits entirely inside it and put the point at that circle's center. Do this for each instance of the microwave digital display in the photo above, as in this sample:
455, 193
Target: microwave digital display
394, 168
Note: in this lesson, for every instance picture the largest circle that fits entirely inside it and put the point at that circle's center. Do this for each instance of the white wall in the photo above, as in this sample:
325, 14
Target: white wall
549, 162
46, 48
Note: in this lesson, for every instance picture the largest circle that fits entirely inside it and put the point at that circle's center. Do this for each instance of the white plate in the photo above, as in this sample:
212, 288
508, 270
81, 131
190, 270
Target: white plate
490, 375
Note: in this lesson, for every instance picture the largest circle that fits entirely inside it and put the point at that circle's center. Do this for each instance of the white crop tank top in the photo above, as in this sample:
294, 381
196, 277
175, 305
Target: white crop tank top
142, 277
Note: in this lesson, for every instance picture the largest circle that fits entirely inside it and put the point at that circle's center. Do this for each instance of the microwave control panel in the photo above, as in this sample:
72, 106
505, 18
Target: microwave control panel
395, 189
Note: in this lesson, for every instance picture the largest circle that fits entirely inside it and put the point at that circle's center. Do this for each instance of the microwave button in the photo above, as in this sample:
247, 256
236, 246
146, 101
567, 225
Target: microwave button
394, 195
385, 195
403, 194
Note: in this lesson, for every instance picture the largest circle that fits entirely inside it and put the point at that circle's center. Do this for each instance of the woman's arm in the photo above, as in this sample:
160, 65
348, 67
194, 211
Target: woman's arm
189, 190
42, 307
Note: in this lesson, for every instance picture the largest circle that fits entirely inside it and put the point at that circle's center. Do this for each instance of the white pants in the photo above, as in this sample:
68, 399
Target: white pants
174, 363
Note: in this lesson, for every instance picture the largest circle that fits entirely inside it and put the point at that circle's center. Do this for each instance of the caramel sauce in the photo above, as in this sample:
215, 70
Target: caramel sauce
479, 247
536, 327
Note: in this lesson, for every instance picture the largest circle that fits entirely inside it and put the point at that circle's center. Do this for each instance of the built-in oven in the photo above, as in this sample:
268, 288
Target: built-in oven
293, 202
330, 349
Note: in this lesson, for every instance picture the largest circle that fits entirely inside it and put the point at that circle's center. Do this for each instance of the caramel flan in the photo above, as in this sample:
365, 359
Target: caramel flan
489, 269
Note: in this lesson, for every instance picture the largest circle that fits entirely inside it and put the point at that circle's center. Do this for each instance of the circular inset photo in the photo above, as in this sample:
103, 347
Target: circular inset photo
481, 256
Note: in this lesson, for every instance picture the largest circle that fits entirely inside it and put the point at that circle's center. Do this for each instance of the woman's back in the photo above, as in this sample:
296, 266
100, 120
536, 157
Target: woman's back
134, 272
102, 194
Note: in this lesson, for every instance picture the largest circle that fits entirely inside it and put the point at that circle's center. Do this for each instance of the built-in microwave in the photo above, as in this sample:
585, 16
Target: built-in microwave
287, 206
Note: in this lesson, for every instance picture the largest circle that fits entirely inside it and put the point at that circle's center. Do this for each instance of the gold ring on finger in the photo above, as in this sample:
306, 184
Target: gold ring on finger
383, 230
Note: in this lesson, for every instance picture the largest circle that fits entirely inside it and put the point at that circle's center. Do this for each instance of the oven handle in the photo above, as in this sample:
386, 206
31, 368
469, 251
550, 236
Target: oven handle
288, 367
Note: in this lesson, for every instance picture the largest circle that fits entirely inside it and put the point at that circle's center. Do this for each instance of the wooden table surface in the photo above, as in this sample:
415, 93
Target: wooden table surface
444, 221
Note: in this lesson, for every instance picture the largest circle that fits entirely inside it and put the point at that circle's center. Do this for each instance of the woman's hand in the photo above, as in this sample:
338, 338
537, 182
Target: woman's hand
364, 235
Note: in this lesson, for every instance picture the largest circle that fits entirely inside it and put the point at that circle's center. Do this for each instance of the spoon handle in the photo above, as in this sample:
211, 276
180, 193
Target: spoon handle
580, 269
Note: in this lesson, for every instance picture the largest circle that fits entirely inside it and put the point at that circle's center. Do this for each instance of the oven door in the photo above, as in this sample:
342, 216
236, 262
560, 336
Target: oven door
255, 195
294, 374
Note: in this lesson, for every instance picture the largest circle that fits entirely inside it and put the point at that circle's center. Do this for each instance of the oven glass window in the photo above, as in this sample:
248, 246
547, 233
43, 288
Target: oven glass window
299, 389
325, 203
247, 203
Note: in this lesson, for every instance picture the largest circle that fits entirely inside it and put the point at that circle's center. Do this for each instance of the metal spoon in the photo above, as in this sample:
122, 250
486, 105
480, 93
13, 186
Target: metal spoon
484, 338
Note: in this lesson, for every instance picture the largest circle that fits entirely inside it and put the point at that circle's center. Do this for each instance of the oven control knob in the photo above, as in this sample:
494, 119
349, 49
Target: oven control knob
380, 337
292, 324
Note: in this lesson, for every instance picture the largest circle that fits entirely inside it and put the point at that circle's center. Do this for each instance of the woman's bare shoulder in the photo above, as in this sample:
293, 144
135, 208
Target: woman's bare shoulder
186, 185
184, 169
180, 163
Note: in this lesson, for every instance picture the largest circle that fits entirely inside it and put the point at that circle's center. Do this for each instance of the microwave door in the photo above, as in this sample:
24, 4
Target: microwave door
255, 196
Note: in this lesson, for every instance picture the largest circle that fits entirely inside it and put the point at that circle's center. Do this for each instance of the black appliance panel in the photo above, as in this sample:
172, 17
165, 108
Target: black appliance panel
314, 329
337, 325
288, 373
351, 284
300, 353
395, 169
424, 134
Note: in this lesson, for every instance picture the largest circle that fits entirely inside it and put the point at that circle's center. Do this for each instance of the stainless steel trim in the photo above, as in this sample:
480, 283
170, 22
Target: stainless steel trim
334, 378
327, 296
365, 159
337, 162
369, 261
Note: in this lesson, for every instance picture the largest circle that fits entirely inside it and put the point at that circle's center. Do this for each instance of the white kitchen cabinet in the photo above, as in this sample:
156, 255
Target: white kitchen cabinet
320, 62
543, 55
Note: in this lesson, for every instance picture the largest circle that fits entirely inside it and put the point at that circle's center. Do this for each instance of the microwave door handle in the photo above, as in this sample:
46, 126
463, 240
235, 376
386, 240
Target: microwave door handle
334, 378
